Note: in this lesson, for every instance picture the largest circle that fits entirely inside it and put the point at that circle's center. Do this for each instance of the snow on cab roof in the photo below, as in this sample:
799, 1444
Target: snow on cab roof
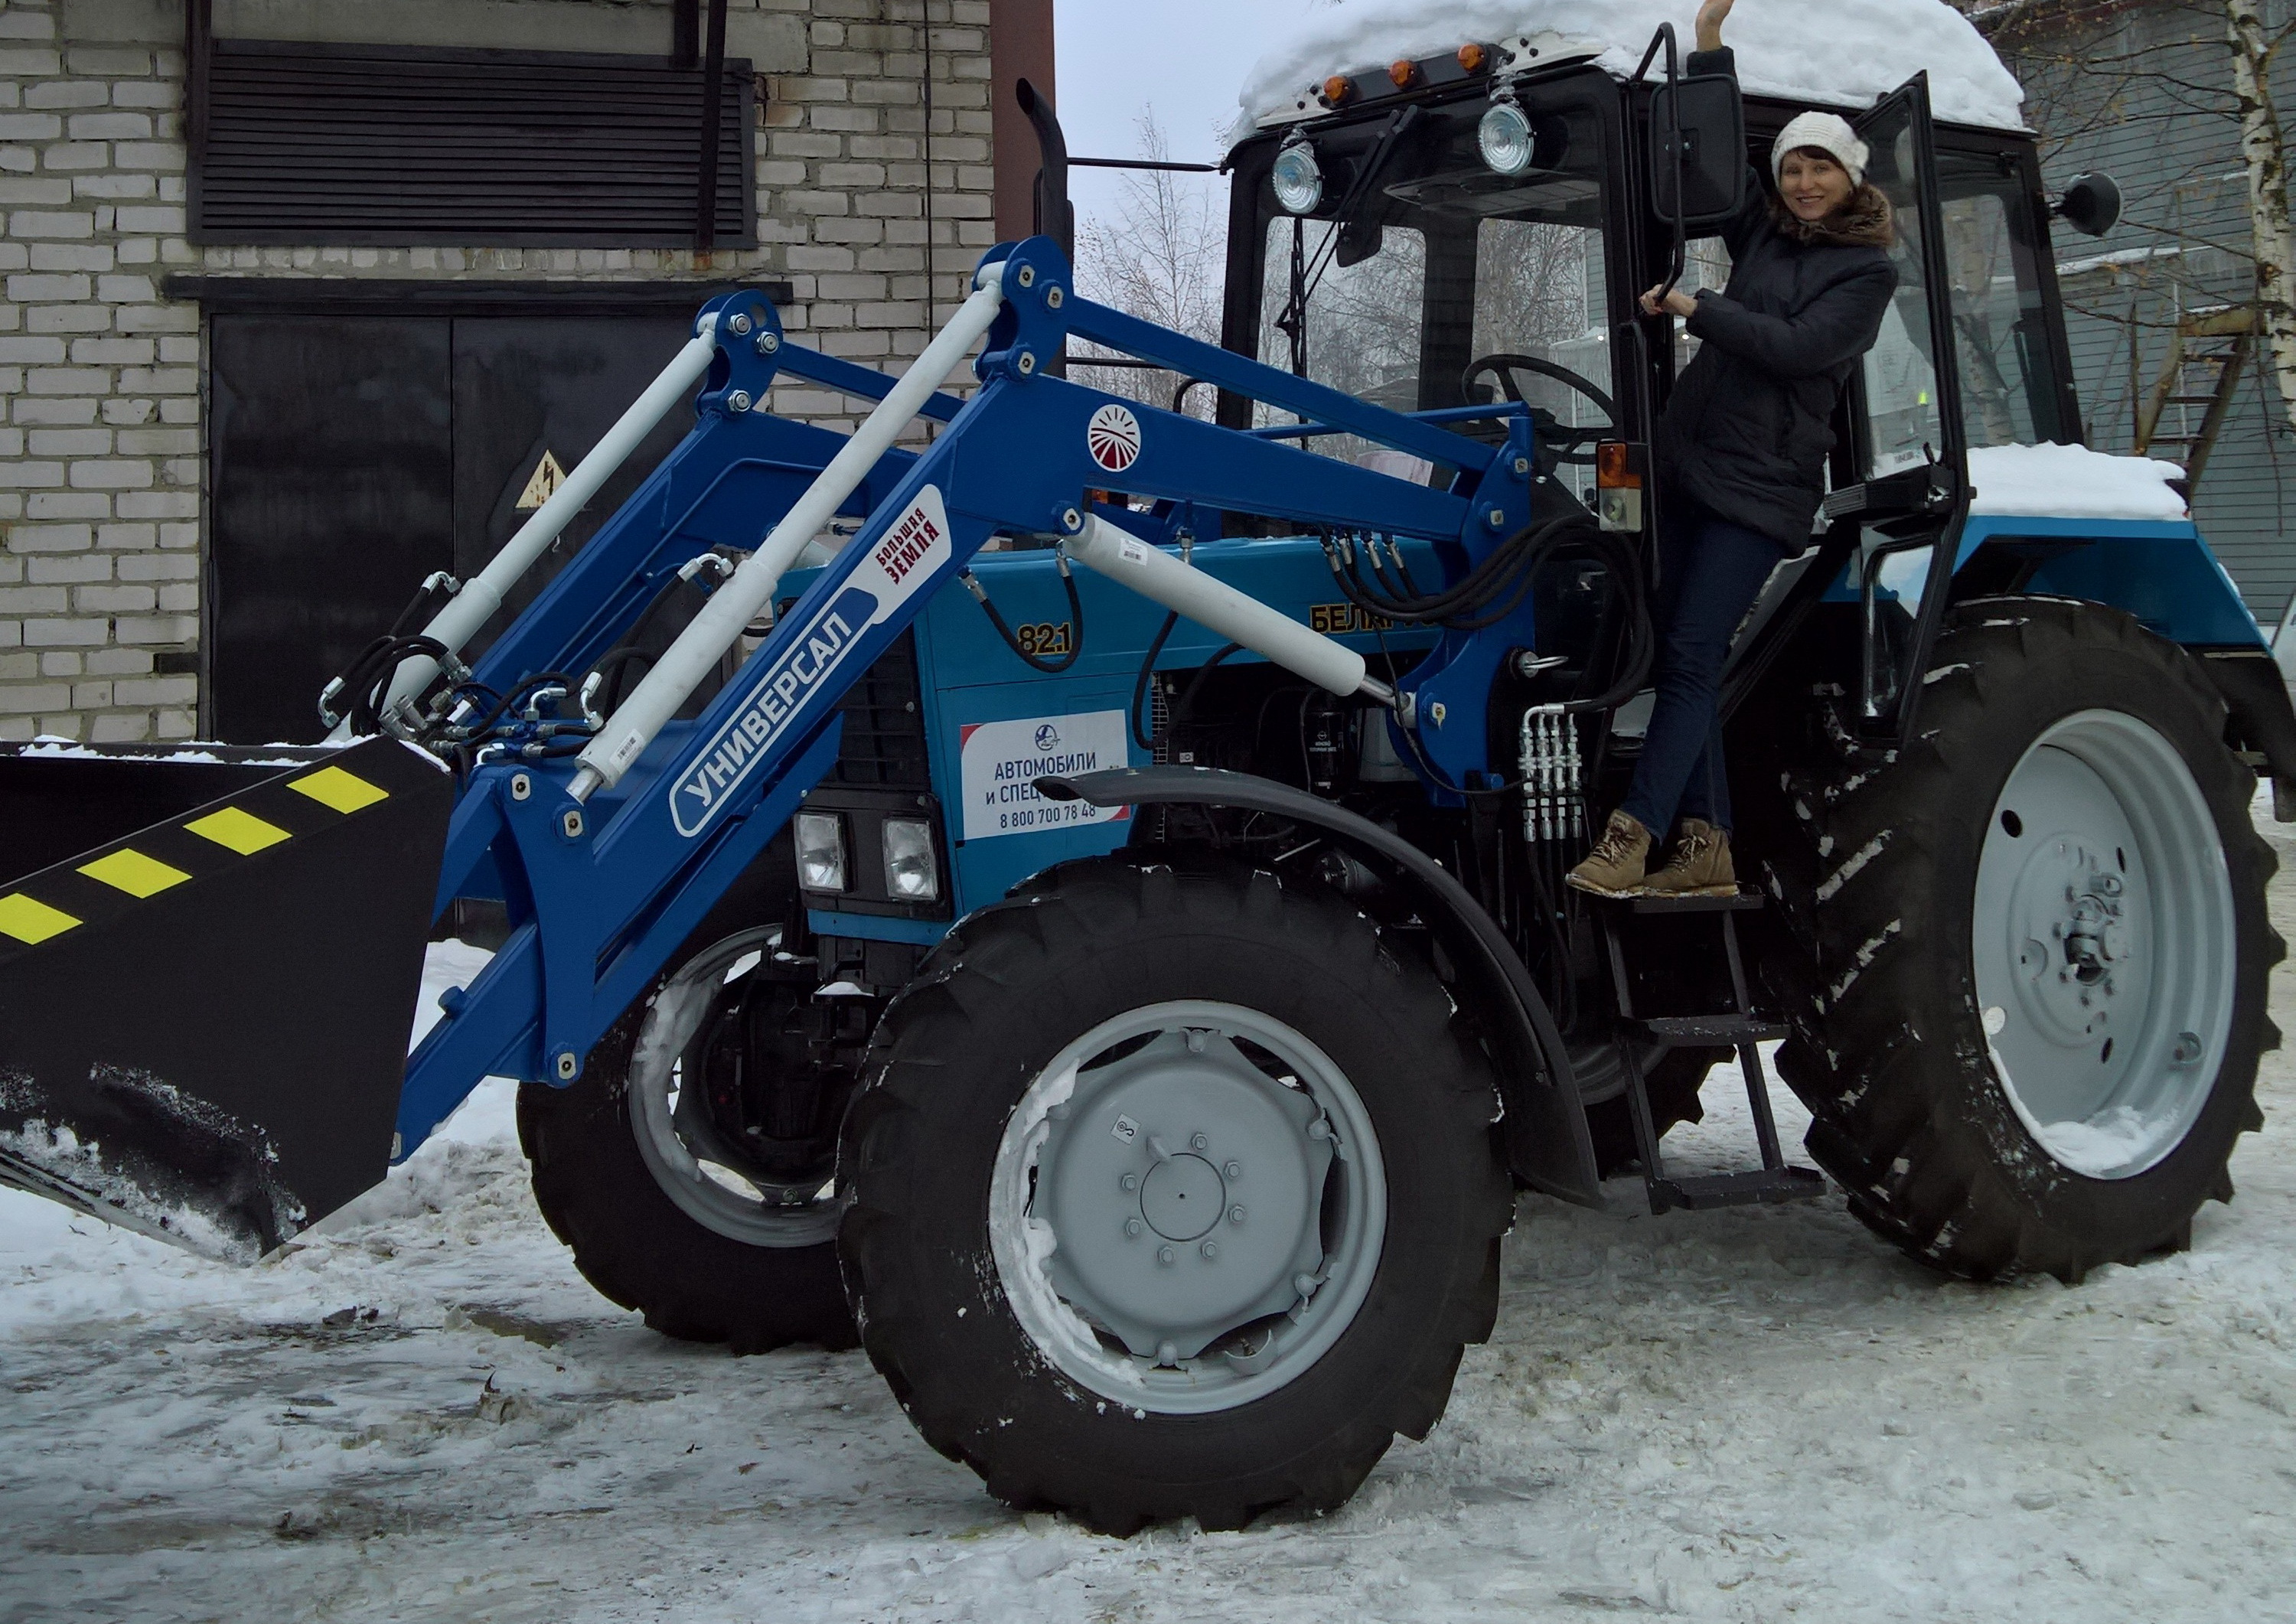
1841, 54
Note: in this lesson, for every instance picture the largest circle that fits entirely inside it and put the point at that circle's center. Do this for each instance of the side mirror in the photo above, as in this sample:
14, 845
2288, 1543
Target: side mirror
1704, 117
2091, 205
1359, 240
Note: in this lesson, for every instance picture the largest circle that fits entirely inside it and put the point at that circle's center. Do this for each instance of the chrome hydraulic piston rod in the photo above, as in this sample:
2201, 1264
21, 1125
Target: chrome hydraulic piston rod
722, 620
1212, 603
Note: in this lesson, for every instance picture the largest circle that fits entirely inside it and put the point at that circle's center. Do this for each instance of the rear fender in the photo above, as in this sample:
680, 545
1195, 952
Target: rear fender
1548, 1146
2164, 573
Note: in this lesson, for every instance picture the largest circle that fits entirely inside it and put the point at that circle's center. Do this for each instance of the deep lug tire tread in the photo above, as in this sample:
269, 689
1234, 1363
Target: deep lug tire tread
948, 1062
1870, 953
636, 1245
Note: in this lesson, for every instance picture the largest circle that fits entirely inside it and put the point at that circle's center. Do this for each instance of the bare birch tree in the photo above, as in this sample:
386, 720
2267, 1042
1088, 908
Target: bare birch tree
1161, 254
2265, 152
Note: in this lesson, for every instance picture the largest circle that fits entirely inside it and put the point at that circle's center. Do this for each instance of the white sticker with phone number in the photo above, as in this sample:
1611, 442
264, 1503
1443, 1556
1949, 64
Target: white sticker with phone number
1000, 762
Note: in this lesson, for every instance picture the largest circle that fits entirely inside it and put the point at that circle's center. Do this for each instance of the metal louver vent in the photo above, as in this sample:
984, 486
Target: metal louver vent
373, 145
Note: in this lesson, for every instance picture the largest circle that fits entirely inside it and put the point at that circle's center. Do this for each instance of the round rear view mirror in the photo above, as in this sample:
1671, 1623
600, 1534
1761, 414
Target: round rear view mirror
2091, 205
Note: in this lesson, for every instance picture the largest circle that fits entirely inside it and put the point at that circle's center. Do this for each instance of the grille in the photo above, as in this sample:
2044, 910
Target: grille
389, 145
884, 742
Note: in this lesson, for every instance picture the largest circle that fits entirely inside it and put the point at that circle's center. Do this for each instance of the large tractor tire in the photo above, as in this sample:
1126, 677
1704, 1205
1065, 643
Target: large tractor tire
2027, 998
1671, 1081
1175, 1193
667, 1207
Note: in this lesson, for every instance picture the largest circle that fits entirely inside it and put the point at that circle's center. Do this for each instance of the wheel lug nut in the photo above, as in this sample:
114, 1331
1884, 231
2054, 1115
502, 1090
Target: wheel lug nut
1210, 1250
1168, 1354
1163, 1254
1236, 1215
1319, 1130
1303, 1283
1132, 1227
1132, 1181
1198, 1143
1235, 1169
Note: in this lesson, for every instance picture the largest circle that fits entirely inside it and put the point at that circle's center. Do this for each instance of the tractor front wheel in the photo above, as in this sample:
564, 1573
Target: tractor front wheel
2030, 1000
1175, 1193
659, 1168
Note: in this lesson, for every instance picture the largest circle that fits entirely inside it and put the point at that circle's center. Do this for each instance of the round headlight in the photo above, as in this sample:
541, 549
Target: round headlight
1505, 135
1297, 180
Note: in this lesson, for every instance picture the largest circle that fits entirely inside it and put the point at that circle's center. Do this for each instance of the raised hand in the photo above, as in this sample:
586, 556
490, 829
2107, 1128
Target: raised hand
1711, 16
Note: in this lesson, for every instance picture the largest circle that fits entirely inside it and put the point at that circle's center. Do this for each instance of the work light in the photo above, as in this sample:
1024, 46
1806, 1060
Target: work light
911, 871
1298, 178
1505, 138
821, 851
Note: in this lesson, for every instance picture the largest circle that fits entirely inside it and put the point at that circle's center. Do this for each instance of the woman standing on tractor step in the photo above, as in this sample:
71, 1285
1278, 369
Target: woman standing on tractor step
1740, 460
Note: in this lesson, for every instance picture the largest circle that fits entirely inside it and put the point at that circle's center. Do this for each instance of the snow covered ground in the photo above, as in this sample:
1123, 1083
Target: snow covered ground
1742, 1415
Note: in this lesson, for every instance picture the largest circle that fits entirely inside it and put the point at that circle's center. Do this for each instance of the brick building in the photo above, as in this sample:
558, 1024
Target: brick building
303, 295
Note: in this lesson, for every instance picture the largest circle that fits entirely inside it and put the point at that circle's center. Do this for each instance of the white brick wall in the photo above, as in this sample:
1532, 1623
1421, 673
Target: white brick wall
101, 454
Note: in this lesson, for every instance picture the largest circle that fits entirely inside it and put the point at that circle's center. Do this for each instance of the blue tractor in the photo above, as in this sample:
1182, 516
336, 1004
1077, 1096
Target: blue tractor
1077, 902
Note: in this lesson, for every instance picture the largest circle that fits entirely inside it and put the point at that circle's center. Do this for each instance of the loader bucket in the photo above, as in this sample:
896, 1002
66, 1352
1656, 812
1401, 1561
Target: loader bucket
208, 962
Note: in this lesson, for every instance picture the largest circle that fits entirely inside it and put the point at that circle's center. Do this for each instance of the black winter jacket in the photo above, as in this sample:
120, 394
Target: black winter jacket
1748, 427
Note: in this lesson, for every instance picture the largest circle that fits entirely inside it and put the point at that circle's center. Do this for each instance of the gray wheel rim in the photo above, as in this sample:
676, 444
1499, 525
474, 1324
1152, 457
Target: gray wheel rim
2104, 944
678, 1145
1177, 1229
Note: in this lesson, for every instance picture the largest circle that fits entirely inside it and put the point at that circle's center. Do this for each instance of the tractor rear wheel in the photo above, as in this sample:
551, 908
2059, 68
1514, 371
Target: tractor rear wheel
1175, 1193
2029, 998
672, 1204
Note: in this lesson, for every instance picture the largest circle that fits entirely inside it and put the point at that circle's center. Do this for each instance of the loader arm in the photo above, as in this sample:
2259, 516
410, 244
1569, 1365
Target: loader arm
609, 864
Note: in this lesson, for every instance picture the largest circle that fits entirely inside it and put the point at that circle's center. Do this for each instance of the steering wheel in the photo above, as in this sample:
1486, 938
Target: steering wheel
1567, 443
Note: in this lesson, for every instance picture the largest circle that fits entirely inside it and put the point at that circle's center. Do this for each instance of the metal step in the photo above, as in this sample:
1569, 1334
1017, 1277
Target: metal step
1708, 1031
1757, 1188
1743, 902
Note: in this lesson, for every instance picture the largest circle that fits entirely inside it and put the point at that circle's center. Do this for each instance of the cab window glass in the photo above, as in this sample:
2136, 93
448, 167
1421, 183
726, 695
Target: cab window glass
1361, 331
1446, 261
2000, 324
1539, 294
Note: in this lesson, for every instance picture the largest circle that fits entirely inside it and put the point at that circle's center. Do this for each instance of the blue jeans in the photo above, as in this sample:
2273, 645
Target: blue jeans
1710, 573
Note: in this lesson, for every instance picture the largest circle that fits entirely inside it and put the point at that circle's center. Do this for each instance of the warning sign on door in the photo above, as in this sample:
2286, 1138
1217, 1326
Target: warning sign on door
542, 484
1001, 761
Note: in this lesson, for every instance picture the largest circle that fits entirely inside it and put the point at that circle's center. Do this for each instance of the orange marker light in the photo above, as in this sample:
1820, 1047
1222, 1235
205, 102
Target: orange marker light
1403, 72
1337, 89
1472, 57
1612, 469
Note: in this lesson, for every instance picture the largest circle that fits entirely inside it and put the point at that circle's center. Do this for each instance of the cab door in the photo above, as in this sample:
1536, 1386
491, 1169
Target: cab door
1910, 449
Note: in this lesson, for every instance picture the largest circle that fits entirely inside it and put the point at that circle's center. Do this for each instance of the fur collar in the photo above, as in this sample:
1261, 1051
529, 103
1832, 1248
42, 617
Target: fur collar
1865, 221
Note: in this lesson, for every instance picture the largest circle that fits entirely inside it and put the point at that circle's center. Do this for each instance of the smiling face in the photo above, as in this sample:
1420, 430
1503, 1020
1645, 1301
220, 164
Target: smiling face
1813, 182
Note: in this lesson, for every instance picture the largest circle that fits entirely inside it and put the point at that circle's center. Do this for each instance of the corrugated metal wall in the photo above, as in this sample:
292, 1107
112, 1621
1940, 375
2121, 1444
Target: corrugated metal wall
2103, 86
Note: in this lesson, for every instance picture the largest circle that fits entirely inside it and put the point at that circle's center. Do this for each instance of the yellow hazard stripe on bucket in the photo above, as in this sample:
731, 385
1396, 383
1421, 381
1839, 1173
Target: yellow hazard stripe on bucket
134, 872
29, 921
331, 786
237, 830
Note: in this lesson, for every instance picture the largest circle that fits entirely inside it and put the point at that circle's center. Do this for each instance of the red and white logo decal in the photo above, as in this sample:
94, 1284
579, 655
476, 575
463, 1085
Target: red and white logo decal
1113, 438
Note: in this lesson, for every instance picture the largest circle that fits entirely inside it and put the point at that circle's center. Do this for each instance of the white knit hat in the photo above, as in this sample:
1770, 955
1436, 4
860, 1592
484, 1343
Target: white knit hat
1829, 133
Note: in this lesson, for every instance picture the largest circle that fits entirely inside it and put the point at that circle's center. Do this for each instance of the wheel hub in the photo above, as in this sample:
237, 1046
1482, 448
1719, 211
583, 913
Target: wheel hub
2069, 927
1184, 1188
1181, 1198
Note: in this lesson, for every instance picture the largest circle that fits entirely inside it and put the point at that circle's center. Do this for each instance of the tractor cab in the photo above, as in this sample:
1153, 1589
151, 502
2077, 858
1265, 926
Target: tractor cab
1469, 233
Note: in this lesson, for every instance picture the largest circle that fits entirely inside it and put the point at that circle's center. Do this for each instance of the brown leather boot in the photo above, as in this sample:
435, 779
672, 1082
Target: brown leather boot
1614, 868
1699, 866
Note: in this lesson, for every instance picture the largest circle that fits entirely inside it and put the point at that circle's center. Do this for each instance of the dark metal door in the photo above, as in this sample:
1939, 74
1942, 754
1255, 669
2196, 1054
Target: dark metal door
529, 386
330, 441
352, 456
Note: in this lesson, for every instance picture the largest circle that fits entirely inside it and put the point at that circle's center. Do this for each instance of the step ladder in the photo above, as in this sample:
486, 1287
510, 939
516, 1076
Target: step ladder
1738, 1027
2199, 373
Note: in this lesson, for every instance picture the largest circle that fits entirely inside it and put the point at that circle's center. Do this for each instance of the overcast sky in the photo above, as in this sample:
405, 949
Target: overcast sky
1184, 59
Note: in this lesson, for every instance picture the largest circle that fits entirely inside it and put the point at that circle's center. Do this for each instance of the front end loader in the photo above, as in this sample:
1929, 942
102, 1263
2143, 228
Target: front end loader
1080, 905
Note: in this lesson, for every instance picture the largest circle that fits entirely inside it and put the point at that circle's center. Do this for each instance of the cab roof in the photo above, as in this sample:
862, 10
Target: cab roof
1839, 54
